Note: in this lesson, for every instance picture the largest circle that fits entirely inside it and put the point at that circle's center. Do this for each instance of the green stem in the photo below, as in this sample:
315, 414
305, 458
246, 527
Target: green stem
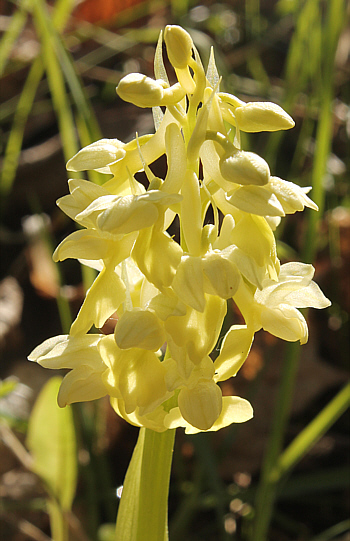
143, 509
58, 521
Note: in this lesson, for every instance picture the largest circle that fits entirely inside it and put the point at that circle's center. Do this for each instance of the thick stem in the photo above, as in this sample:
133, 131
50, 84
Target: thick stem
143, 510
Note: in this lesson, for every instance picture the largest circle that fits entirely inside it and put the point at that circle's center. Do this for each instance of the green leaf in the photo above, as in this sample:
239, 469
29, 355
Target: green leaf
52, 443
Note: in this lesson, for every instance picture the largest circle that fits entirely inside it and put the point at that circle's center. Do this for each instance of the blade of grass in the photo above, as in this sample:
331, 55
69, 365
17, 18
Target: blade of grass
56, 83
75, 85
24, 107
54, 48
333, 532
16, 24
335, 21
301, 65
303, 56
14, 143
312, 433
252, 16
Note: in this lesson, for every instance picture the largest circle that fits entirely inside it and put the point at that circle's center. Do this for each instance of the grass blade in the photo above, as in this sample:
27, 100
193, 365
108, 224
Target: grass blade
17, 22
24, 107
15, 140
312, 433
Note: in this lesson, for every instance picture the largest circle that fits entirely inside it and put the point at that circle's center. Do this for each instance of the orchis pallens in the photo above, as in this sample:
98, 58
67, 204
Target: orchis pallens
164, 292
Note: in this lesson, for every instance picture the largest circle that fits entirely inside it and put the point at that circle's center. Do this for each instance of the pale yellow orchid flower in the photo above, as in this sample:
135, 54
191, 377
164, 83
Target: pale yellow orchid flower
79, 354
274, 308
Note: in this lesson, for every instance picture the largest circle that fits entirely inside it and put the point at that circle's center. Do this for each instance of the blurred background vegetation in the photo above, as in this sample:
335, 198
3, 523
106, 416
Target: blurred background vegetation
284, 475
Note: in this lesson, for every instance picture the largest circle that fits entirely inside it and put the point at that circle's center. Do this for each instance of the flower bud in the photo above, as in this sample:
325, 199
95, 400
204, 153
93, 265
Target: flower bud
179, 46
97, 155
245, 168
140, 90
262, 116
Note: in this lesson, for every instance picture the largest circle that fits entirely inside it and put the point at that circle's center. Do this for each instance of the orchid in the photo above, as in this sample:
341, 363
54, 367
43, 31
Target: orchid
170, 298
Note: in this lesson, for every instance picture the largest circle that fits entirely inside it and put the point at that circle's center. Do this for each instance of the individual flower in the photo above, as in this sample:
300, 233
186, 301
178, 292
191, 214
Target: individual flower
274, 307
82, 357
108, 290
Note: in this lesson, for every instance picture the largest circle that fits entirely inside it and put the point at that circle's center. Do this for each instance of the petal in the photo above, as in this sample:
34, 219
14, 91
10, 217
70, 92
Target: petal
83, 192
167, 305
122, 215
245, 168
191, 219
234, 351
254, 237
286, 323
234, 410
308, 297
102, 300
81, 385
256, 200
139, 329
299, 293
97, 155
291, 196
83, 244
188, 282
153, 420
296, 271
67, 351
134, 375
157, 255
201, 406
173, 378
222, 275
258, 116
128, 214
184, 330
246, 265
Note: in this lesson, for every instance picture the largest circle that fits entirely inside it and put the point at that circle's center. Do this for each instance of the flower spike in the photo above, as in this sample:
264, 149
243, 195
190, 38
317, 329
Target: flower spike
167, 289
